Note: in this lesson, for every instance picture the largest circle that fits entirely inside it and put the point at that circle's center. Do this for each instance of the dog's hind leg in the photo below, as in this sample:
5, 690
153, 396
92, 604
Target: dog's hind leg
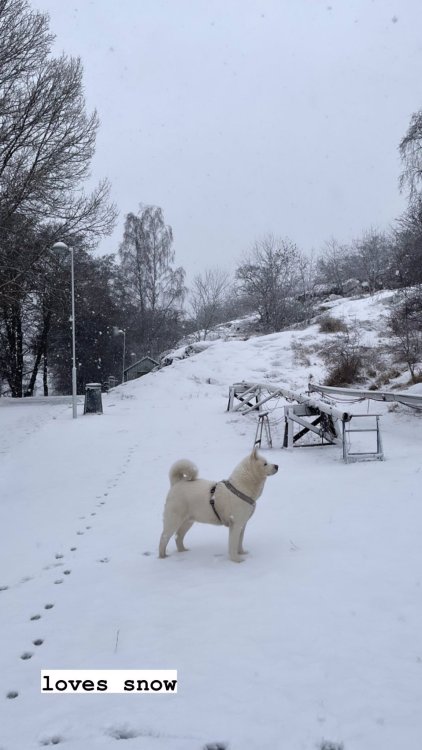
240, 550
171, 525
235, 532
181, 533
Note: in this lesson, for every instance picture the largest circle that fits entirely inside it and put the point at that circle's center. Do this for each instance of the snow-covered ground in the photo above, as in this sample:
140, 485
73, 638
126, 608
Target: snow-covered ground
316, 636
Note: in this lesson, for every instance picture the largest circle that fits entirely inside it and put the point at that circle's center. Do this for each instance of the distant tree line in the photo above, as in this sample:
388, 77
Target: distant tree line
47, 141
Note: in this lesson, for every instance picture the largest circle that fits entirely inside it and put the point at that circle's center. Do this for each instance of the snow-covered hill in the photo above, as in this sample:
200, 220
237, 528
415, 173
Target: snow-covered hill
315, 638
294, 356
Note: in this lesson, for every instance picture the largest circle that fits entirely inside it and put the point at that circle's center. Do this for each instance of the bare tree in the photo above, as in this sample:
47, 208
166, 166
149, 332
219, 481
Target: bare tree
333, 266
405, 323
406, 252
157, 288
46, 146
207, 299
47, 140
411, 154
372, 258
307, 280
269, 276
25, 42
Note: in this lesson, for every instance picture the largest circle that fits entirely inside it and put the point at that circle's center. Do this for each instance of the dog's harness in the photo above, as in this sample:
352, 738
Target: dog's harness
232, 489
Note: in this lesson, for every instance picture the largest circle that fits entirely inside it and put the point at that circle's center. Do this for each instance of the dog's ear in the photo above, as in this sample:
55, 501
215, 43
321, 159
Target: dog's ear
254, 453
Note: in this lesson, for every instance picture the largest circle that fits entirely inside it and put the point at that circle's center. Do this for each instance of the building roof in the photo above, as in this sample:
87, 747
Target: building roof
143, 359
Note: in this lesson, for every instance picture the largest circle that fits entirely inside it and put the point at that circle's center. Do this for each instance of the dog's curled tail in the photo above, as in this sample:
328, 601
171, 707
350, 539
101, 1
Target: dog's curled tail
183, 470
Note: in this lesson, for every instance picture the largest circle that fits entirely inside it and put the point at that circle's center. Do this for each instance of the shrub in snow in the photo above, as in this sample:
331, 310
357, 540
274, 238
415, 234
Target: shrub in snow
386, 377
351, 286
301, 353
329, 324
405, 324
344, 358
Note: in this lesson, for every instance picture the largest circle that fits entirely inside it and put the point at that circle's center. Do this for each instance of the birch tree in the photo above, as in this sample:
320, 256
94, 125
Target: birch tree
152, 283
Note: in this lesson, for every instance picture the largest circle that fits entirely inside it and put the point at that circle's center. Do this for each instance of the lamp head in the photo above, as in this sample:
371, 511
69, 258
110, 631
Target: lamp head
60, 246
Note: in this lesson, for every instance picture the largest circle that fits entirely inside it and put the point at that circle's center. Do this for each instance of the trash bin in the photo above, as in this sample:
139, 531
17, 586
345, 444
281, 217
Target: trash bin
93, 402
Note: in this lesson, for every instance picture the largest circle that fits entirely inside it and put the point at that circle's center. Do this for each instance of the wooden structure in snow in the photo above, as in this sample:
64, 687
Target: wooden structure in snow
142, 367
263, 425
330, 424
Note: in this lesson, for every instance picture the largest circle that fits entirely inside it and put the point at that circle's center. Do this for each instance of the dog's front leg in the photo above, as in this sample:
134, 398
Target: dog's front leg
235, 531
240, 550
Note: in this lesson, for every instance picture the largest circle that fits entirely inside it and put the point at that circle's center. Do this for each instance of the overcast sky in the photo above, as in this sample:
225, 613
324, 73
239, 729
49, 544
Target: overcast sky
243, 117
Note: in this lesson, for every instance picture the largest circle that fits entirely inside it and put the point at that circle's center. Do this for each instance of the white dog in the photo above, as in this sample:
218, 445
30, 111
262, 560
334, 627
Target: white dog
229, 502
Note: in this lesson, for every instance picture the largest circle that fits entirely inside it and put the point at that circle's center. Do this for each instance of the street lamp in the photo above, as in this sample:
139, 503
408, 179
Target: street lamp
117, 332
62, 246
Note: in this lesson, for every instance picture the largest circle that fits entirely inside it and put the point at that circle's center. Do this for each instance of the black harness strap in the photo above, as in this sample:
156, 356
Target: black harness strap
233, 489
240, 494
212, 503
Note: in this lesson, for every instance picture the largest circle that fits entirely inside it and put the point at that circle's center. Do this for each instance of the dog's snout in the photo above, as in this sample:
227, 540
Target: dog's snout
276, 467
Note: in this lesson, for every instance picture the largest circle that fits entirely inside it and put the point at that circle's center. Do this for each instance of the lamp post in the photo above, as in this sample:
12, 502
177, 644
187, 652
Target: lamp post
117, 332
62, 246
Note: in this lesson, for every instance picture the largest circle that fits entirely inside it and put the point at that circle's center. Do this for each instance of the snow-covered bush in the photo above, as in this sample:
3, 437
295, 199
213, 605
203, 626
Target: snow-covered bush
329, 324
344, 358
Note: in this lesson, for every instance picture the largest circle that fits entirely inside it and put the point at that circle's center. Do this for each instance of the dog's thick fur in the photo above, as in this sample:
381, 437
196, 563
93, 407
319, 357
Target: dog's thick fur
188, 501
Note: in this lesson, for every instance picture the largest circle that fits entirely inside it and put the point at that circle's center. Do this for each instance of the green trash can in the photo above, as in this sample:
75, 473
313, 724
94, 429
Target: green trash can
93, 401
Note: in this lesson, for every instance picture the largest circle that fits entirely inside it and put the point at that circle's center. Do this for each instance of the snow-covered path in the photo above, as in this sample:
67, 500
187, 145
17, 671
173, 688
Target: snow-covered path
317, 635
